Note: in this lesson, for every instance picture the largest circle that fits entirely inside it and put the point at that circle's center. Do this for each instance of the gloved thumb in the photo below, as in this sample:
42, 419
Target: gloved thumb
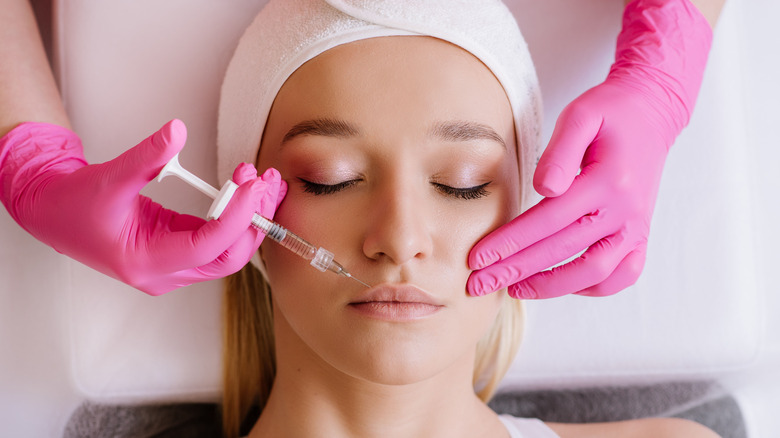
560, 163
141, 164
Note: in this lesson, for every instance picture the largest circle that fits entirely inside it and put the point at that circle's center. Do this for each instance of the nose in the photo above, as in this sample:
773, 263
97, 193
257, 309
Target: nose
399, 227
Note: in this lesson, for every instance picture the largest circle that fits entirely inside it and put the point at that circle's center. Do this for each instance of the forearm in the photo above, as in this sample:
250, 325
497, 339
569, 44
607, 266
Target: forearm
709, 8
28, 91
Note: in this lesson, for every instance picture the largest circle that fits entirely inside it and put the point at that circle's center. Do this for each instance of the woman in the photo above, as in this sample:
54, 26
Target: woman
404, 136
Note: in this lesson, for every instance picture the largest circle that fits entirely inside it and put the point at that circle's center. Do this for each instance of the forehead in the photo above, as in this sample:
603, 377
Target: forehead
424, 76
397, 91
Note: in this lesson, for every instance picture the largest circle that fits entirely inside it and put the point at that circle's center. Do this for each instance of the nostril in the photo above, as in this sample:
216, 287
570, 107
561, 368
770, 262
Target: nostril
398, 226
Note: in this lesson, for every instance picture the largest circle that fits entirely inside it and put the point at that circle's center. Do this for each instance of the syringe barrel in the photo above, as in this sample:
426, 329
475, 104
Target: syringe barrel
289, 240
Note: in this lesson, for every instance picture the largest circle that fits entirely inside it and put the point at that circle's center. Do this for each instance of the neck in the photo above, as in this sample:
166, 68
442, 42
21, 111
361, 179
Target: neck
311, 398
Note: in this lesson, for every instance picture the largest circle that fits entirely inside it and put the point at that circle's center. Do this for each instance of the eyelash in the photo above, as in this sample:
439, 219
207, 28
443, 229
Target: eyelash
466, 193
325, 189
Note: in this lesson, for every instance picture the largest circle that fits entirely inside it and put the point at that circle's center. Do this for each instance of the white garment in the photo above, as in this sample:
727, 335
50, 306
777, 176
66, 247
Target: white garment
526, 427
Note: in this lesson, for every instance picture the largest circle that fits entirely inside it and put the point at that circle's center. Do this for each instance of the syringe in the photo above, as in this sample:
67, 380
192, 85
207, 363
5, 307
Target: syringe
320, 258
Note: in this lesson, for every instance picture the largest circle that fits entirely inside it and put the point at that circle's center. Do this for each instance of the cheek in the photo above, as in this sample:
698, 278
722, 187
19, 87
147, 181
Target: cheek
475, 219
465, 226
283, 266
291, 276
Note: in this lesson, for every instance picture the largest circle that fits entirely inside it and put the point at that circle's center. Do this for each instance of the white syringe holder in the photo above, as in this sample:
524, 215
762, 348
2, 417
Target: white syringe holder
221, 197
221, 201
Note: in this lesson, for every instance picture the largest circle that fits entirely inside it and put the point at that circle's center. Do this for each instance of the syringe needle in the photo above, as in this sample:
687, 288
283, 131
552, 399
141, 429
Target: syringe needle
347, 274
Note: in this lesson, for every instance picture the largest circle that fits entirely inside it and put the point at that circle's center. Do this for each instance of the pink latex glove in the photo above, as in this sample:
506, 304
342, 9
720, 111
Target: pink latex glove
618, 134
94, 213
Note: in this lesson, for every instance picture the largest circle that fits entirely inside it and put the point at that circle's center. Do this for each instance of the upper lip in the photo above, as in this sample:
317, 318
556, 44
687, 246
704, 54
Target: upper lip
401, 293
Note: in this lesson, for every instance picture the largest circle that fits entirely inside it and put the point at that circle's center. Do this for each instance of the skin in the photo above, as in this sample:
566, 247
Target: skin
28, 91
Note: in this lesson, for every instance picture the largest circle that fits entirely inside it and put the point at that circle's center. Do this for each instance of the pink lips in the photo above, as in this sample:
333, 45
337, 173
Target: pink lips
396, 302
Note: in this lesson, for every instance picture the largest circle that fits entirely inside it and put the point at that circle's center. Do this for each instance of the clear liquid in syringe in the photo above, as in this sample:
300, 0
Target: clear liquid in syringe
320, 258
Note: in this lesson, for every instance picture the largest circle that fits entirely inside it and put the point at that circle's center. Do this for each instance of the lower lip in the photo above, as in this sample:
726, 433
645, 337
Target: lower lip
395, 311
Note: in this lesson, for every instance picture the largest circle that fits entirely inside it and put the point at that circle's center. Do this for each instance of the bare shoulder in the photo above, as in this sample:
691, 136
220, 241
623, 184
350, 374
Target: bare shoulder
644, 428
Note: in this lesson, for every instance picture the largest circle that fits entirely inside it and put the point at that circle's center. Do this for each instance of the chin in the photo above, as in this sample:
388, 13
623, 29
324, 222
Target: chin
400, 360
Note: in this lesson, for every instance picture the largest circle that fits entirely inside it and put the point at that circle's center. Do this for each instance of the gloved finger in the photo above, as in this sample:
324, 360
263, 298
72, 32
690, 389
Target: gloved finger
269, 202
230, 261
183, 250
542, 220
277, 186
243, 173
625, 275
575, 129
595, 265
142, 163
277, 189
578, 236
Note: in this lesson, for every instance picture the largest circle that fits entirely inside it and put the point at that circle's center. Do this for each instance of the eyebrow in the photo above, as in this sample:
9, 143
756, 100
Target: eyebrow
465, 131
456, 130
324, 127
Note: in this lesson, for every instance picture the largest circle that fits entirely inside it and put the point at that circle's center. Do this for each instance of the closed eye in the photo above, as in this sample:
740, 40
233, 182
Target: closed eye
467, 193
325, 189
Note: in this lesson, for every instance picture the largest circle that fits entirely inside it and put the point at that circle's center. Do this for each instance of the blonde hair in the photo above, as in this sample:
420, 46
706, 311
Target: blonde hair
249, 360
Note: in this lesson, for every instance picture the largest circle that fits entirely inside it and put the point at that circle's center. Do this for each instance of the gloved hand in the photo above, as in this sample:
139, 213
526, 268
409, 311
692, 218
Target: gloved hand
618, 134
94, 213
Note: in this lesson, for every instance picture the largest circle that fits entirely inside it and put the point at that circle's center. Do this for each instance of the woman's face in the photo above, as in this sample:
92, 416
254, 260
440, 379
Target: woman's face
399, 154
